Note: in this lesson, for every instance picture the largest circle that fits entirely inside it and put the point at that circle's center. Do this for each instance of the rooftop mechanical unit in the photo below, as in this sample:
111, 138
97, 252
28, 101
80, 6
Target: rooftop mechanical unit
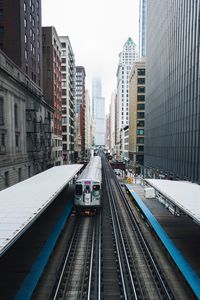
149, 193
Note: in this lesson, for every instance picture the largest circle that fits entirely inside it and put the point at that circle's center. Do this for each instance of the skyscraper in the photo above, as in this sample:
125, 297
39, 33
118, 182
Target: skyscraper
142, 28
98, 109
137, 114
68, 99
21, 35
172, 128
80, 111
52, 85
127, 57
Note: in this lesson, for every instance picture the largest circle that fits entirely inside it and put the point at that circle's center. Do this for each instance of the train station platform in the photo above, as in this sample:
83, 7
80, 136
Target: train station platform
32, 215
179, 234
182, 197
23, 203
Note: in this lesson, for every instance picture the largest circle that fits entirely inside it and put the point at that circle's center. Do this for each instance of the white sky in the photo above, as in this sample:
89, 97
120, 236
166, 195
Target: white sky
97, 30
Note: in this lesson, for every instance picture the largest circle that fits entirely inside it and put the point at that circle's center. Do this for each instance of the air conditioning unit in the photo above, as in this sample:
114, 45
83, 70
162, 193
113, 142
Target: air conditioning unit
149, 193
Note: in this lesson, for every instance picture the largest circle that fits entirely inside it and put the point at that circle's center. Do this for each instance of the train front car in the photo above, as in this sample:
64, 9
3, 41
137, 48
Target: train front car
88, 188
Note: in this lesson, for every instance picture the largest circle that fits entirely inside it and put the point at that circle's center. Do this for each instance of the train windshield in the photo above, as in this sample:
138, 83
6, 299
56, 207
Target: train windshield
96, 190
87, 189
79, 189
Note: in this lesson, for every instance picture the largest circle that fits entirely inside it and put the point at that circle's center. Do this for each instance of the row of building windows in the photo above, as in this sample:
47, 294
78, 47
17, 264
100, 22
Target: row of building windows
32, 6
2, 113
19, 172
33, 51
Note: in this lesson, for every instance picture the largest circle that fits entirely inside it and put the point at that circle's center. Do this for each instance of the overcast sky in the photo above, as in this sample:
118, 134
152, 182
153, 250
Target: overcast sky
97, 30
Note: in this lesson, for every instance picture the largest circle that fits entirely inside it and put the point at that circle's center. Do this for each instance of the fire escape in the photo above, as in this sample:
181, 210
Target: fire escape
39, 143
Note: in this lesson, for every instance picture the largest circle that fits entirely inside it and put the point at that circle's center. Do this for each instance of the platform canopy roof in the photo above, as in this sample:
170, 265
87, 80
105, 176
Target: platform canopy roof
22, 203
185, 195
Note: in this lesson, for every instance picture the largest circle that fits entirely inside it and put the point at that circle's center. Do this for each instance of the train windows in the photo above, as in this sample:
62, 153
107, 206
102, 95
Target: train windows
96, 190
87, 189
79, 189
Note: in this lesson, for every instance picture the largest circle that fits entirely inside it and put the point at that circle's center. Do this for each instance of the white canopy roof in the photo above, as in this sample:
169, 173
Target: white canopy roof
183, 194
22, 203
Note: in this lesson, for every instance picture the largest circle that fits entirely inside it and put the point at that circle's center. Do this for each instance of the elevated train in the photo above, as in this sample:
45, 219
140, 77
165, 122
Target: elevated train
88, 187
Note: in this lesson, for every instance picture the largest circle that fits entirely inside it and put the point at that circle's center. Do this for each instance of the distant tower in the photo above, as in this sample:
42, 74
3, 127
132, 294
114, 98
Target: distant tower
127, 57
142, 29
98, 112
80, 111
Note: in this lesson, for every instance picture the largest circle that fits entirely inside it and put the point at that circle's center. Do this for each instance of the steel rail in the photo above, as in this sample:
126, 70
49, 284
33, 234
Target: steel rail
116, 227
91, 259
125, 252
64, 266
144, 244
99, 260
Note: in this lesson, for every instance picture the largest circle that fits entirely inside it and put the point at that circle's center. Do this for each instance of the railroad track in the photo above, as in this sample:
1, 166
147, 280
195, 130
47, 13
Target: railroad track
108, 257
139, 274
78, 278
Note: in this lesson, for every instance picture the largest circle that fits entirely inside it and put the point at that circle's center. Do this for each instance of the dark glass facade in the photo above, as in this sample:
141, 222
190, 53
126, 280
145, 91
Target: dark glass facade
172, 119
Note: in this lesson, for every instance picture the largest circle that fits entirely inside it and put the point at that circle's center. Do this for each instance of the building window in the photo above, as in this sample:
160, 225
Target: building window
29, 171
63, 68
140, 131
25, 23
1, 111
63, 45
17, 141
141, 98
16, 115
141, 72
6, 176
141, 80
19, 174
64, 92
25, 8
140, 123
64, 120
63, 60
3, 142
140, 140
140, 115
141, 89
26, 54
141, 106
140, 148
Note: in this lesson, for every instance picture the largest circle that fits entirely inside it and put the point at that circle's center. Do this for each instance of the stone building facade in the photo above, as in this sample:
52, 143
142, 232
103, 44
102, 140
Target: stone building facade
26, 123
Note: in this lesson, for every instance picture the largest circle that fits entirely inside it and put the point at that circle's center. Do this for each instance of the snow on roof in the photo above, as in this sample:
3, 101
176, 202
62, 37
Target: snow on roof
92, 171
22, 203
184, 194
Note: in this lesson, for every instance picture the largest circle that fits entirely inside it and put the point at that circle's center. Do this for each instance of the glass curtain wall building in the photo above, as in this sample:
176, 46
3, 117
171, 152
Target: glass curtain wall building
172, 131
142, 28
